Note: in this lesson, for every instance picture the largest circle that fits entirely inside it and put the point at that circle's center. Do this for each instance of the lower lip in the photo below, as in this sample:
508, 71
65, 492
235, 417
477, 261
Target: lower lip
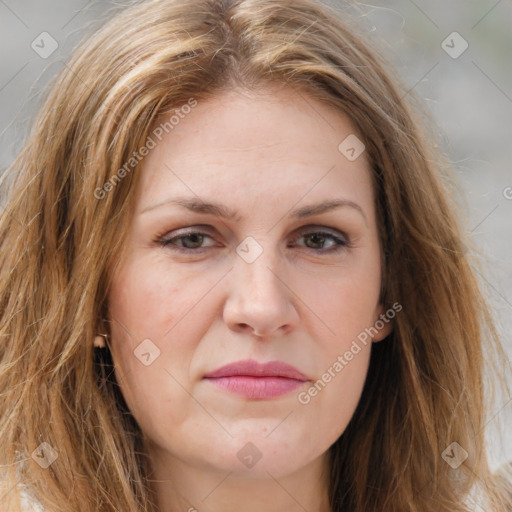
257, 387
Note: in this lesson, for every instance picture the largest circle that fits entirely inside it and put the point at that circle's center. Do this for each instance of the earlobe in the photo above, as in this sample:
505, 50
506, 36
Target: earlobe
383, 324
99, 341
383, 333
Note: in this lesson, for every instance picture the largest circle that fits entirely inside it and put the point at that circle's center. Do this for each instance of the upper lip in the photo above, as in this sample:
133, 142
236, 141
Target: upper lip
251, 368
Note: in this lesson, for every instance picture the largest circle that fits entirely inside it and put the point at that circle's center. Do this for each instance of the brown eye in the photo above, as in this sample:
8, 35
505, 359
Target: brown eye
317, 240
192, 241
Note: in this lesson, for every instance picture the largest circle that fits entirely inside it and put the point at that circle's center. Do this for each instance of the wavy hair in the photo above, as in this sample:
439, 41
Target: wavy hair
61, 235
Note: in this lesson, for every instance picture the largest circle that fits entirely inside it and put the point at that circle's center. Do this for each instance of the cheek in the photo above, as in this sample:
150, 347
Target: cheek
140, 315
344, 302
330, 402
344, 306
149, 299
149, 302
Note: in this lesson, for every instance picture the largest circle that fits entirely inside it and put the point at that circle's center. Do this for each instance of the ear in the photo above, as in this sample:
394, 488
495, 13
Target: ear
383, 321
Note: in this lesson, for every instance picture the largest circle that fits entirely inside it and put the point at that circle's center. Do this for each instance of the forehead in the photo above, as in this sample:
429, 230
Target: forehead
238, 146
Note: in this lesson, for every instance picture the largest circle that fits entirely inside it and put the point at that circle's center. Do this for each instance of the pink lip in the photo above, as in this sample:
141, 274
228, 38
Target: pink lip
257, 381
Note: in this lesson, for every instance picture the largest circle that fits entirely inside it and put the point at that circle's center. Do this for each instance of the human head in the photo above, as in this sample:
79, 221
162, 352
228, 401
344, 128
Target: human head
266, 285
104, 108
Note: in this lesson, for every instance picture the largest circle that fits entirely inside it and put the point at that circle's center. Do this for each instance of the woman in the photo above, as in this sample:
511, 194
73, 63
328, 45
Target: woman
232, 275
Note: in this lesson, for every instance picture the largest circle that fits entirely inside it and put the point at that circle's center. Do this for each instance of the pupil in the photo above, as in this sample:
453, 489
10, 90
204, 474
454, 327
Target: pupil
197, 237
317, 238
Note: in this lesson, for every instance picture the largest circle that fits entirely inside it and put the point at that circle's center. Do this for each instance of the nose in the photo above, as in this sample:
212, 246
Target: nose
260, 300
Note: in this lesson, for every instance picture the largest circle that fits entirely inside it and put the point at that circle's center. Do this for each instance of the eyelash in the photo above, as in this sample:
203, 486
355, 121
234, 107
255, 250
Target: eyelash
341, 244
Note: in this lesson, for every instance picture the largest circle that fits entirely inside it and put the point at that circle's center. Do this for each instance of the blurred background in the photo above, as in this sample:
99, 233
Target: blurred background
455, 55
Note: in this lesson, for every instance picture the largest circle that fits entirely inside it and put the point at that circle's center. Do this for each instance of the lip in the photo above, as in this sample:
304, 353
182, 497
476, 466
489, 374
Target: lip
256, 380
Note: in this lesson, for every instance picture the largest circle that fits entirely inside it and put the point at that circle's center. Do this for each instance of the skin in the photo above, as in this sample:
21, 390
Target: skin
261, 155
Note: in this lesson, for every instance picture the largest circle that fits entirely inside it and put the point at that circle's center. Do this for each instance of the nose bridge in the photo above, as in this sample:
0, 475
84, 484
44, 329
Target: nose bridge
256, 265
258, 298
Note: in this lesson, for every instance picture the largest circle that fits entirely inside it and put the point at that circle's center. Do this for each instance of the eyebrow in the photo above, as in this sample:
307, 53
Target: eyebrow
219, 210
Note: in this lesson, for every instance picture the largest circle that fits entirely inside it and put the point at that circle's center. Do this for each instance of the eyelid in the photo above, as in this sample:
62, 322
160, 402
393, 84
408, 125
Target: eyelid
202, 229
165, 240
315, 228
176, 233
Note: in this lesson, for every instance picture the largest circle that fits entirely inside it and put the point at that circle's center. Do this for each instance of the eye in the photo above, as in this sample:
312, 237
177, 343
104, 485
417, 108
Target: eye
187, 242
315, 241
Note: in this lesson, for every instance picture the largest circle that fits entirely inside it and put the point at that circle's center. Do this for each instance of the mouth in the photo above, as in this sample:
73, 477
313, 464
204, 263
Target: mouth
257, 381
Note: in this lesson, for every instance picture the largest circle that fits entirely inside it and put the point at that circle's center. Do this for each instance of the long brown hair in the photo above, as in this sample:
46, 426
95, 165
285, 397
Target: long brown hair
69, 206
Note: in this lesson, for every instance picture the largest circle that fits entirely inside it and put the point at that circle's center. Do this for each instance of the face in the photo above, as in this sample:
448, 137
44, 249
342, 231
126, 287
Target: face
266, 280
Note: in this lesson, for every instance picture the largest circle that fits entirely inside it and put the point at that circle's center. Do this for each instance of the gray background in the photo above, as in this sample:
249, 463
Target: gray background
469, 96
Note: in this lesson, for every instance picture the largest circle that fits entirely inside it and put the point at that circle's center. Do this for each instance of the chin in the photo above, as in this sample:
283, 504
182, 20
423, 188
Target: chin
254, 455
